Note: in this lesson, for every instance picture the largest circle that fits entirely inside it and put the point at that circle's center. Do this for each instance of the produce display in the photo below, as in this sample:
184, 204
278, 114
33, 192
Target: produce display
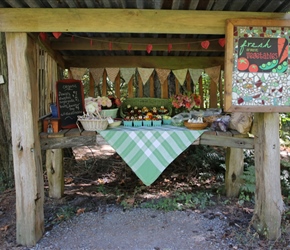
144, 116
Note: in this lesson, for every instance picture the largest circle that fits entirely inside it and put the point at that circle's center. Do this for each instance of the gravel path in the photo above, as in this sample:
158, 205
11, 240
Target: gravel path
113, 228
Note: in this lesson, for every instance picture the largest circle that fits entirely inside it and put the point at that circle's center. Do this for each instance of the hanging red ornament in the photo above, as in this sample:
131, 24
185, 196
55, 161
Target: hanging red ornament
188, 46
169, 47
56, 34
91, 42
110, 45
42, 35
149, 48
129, 47
205, 44
72, 38
222, 42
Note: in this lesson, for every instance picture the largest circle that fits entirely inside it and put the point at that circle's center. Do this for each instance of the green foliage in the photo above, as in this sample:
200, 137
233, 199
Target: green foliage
64, 213
285, 128
249, 185
181, 201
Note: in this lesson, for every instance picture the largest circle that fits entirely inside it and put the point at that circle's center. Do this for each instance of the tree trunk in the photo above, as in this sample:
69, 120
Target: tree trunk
6, 157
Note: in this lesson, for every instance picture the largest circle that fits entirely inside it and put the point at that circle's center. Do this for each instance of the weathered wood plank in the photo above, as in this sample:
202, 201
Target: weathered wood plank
168, 62
67, 142
224, 141
268, 198
124, 21
24, 103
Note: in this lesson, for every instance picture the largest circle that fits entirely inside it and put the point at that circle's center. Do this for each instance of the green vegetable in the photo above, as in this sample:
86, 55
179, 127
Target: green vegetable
269, 65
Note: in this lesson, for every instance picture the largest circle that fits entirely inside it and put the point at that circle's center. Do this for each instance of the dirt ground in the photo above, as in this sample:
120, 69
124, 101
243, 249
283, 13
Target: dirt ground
97, 179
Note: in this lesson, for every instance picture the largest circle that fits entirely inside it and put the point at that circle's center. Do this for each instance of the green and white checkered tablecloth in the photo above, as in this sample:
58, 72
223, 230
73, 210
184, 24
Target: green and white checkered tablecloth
149, 150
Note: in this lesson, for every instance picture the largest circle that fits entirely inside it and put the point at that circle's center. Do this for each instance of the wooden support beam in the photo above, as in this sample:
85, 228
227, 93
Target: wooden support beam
200, 86
268, 198
164, 89
168, 62
140, 86
104, 84
124, 20
118, 85
130, 88
234, 170
54, 169
24, 107
92, 86
151, 85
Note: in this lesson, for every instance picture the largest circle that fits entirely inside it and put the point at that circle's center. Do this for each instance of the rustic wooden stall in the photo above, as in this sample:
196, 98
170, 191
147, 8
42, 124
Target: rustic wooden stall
23, 77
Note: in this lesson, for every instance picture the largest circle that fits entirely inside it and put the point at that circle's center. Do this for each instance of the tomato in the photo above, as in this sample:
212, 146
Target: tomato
243, 63
253, 68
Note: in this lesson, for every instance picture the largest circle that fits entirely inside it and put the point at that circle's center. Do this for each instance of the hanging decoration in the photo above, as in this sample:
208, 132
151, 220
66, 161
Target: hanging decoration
188, 46
145, 73
169, 47
127, 73
56, 34
91, 42
214, 73
72, 38
112, 73
42, 35
149, 48
162, 74
180, 75
110, 46
97, 74
129, 47
195, 74
77, 73
222, 42
205, 44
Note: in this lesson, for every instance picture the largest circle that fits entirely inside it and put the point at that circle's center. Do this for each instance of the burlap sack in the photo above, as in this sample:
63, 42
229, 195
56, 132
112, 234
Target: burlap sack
242, 122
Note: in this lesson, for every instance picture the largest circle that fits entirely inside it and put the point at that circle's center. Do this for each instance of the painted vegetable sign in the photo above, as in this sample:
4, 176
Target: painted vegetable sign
262, 55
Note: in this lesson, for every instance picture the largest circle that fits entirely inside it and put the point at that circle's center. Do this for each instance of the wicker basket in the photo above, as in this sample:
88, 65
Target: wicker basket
211, 119
148, 102
195, 126
94, 124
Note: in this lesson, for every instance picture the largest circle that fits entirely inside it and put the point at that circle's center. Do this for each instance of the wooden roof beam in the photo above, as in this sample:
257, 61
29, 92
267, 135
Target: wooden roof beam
168, 62
123, 20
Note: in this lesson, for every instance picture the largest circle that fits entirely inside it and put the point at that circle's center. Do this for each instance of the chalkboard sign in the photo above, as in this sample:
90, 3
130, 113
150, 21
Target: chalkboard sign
70, 101
257, 72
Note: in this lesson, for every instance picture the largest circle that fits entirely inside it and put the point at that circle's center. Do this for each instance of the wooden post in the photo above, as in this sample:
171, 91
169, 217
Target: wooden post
92, 86
104, 85
118, 85
164, 89
151, 85
200, 85
268, 198
176, 86
54, 169
140, 86
130, 88
24, 106
188, 82
234, 170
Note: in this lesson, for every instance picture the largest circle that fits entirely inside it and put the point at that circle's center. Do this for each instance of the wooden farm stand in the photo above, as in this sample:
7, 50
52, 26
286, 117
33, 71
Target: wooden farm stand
24, 102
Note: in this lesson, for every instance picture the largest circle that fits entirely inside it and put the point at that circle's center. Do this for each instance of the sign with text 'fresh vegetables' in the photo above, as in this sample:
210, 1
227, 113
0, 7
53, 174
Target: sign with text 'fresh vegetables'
262, 55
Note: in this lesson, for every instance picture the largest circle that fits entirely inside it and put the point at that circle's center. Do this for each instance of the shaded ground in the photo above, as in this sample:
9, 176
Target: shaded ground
99, 183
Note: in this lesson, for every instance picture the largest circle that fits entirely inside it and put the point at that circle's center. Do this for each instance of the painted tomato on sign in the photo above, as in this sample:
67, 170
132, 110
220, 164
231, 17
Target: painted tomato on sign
243, 64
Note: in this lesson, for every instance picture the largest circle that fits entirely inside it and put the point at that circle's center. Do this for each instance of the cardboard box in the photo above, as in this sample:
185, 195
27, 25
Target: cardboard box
55, 122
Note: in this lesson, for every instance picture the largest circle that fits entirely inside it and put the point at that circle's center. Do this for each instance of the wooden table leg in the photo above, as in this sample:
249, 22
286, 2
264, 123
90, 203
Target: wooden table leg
54, 168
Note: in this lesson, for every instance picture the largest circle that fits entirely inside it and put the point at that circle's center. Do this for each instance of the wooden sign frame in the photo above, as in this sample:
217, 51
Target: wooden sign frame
70, 101
249, 90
